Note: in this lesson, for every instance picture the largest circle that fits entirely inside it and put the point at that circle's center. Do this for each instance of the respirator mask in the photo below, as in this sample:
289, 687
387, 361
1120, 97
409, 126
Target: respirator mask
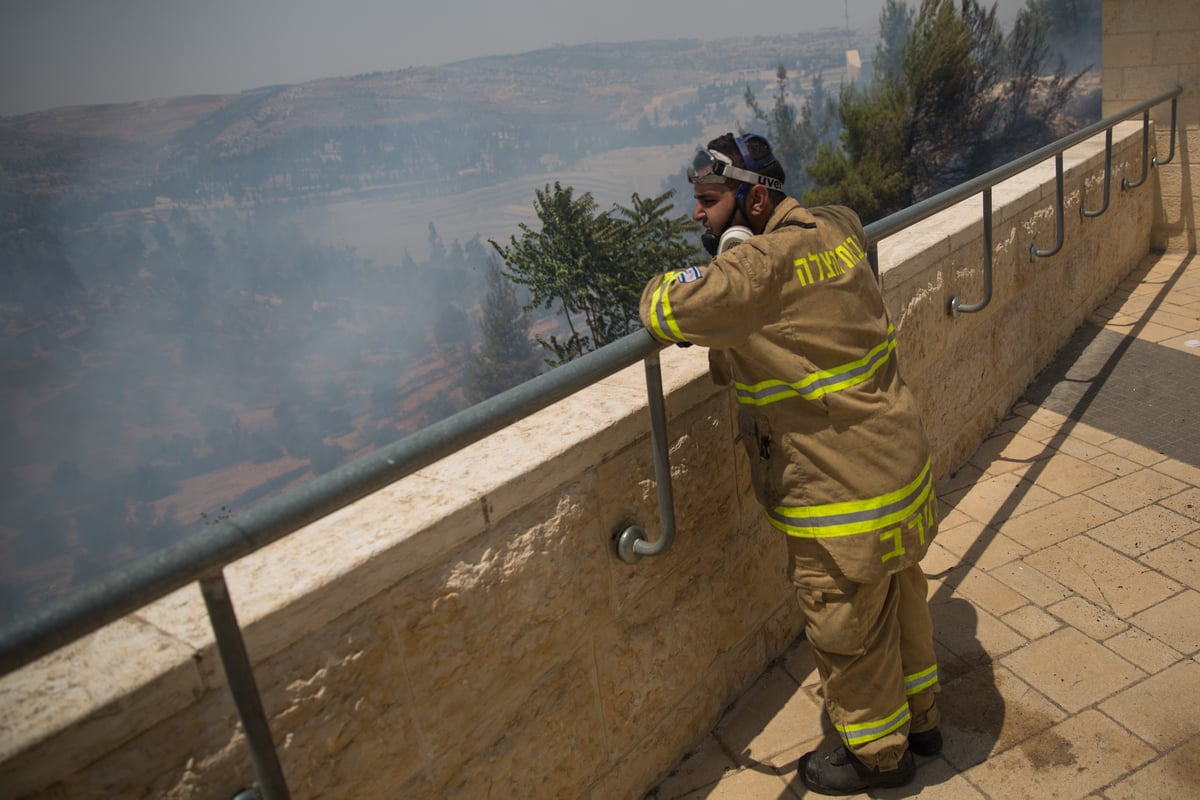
733, 235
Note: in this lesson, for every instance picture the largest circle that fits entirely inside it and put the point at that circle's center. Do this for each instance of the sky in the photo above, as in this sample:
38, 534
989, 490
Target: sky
72, 52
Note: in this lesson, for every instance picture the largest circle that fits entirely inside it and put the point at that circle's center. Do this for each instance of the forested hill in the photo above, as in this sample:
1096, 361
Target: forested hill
448, 128
178, 342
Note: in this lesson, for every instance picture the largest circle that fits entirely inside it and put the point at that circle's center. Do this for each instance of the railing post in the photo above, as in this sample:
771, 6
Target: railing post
1125, 184
956, 306
1171, 154
1059, 227
631, 542
1083, 212
240, 675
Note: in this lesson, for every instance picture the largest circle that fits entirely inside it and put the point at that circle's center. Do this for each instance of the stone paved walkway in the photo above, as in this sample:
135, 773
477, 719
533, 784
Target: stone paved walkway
1064, 585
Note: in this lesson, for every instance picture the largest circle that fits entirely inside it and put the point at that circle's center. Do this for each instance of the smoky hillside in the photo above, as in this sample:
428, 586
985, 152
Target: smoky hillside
211, 299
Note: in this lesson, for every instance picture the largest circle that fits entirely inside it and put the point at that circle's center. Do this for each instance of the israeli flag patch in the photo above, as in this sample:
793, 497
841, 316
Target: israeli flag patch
688, 275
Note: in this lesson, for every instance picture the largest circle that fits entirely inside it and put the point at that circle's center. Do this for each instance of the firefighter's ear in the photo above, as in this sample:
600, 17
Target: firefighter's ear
759, 206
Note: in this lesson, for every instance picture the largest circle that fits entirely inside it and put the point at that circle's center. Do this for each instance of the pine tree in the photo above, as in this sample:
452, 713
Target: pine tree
796, 136
955, 99
506, 356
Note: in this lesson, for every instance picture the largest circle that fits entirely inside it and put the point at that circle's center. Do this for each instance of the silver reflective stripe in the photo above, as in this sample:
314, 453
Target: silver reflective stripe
855, 516
820, 383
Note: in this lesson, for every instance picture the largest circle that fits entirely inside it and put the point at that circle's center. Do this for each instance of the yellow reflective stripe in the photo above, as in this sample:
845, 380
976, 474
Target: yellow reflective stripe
920, 681
822, 382
863, 732
660, 310
854, 516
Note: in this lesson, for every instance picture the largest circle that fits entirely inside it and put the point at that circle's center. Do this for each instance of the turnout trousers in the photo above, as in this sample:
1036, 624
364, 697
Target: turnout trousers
873, 646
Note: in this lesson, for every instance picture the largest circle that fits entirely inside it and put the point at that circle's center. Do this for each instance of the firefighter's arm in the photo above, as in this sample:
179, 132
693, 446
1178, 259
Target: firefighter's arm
712, 305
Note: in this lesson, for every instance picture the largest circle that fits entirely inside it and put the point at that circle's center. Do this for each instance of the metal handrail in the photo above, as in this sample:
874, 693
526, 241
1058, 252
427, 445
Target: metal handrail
126, 589
894, 223
201, 556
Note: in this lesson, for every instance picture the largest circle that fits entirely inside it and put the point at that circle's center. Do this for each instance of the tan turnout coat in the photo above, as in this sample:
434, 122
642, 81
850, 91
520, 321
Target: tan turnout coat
796, 323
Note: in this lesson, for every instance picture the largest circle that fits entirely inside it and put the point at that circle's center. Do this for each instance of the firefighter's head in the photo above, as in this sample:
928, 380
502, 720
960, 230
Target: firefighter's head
735, 181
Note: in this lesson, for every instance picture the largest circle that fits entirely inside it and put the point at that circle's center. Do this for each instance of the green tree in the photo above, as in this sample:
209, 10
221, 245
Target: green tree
650, 240
951, 68
963, 99
506, 356
895, 25
869, 172
796, 136
591, 265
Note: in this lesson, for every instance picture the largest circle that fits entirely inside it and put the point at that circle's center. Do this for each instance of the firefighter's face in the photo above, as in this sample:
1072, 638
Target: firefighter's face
715, 207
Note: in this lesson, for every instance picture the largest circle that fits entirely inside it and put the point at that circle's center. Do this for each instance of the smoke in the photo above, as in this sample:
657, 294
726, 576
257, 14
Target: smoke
195, 364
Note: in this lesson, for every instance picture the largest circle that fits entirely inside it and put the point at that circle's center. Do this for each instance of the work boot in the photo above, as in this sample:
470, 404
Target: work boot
839, 772
926, 743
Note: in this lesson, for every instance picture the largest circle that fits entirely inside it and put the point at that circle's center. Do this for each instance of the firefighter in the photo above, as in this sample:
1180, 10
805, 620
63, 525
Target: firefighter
794, 320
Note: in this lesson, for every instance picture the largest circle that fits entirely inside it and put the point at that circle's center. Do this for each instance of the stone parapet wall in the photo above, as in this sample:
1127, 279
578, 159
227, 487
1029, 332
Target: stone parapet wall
968, 369
1148, 47
468, 632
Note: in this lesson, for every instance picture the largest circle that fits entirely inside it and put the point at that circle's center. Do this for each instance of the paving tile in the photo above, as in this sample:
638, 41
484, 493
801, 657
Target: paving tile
1029, 429
1044, 415
980, 545
1030, 582
959, 479
1071, 759
1059, 520
1031, 622
745, 784
1181, 324
1134, 491
950, 665
1007, 451
1164, 709
1155, 332
1087, 617
982, 590
1175, 622
937, 565
1176, 774
1143, 530
994, 500
1064, 474
948, 515
1103, 575
1134, 452
800, 664
1143, 650
1071, 669
1188, 473
1081, 431
989, 710
769, 718
1115, 464
785, 762
1186, 503
1082, 449
703, 766
972, 634
1180, 560
936, 780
